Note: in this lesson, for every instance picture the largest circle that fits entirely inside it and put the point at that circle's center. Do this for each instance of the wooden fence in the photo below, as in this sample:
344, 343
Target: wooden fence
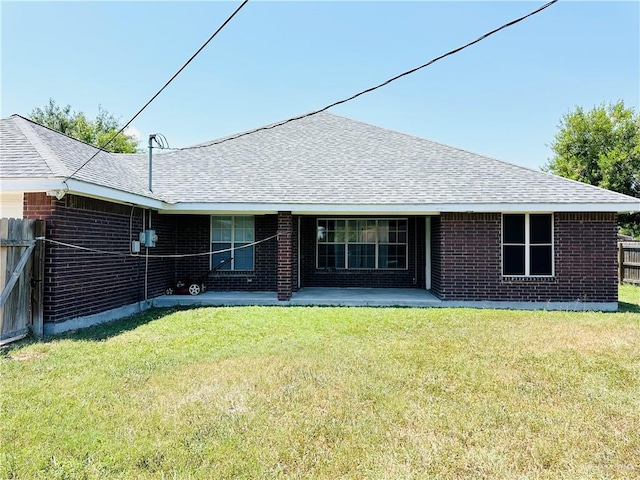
629, 262
21, 278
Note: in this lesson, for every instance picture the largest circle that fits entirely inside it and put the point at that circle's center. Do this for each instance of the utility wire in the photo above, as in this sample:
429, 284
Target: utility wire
102, 147
178, 255
371, 89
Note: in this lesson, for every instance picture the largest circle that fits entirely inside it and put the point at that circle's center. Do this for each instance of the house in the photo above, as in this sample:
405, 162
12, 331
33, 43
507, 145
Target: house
333, 202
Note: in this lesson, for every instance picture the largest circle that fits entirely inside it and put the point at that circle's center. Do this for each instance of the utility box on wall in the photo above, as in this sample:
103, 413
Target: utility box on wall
148, 238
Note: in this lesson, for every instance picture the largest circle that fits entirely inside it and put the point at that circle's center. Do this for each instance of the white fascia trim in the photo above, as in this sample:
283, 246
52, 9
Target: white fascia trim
295, 209
77, 187
399, 209
29, 185
112, 194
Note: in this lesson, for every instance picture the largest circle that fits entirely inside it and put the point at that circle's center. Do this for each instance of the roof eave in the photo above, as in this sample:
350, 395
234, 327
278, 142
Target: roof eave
57, 186
395, 209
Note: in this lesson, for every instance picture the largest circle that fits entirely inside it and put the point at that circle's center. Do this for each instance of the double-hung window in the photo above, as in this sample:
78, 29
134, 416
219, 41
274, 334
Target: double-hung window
527, 244
362, 243
229, 237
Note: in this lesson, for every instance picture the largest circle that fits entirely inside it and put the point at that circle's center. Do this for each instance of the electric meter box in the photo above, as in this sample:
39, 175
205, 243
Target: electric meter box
148, 238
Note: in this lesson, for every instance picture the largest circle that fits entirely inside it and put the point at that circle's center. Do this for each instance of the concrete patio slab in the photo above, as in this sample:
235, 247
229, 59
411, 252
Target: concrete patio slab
361, 297
352, 297
209, 299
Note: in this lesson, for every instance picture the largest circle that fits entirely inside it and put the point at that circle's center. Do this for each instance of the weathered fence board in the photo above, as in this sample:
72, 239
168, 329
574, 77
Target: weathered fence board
18, 269
629, 262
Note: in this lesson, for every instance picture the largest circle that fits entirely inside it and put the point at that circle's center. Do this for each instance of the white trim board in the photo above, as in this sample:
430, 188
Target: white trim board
395, 209
111, 194
32, 185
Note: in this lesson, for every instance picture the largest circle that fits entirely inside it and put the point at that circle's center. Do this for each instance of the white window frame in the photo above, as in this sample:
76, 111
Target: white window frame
346, 244
527, 246
232, 242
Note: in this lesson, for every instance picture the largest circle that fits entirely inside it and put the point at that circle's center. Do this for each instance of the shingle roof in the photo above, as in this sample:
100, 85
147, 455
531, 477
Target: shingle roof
31, 150
20, 157
323, 159
329, 159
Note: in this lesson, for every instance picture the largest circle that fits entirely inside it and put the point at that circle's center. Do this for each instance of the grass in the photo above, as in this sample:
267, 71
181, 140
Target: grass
267, 392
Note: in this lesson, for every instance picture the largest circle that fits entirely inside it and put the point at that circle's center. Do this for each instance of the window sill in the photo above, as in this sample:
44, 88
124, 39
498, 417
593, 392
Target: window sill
233, 273
531, 279
361, 270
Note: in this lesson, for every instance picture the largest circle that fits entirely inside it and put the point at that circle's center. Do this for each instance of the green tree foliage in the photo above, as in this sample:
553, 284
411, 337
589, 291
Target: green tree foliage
601, 147
76, 124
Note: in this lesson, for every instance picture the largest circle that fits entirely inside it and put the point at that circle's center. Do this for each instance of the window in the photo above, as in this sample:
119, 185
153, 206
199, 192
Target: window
228, 234
357, 243
527, 244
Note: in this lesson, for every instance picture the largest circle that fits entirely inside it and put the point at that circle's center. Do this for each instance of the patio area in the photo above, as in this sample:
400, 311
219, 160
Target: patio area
347, 297
362, 297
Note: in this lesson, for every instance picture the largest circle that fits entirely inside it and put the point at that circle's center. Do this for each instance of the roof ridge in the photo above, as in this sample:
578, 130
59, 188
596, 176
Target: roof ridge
269, 126
60, 133
55, 165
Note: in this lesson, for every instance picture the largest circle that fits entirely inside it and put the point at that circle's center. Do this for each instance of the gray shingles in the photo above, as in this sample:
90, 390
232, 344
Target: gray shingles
323, 159
19, 157
333, 160
41, 152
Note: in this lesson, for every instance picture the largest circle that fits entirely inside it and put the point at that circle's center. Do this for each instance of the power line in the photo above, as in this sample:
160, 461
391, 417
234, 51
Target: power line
135, 255
371, 89
102, 147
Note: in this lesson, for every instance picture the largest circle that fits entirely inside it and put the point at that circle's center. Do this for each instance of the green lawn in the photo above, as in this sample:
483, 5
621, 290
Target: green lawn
268, 392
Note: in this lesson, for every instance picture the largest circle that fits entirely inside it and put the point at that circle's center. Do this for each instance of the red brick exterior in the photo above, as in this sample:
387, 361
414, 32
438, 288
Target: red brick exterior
79, 283
436, 255
193, 235
295, 241
285, 255
466, 259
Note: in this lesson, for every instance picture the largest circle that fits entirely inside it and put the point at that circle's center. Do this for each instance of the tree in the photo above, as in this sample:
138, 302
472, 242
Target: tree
76, 124
601, 147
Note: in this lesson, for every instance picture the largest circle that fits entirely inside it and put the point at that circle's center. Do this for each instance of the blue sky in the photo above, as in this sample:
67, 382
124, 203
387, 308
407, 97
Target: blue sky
503, 97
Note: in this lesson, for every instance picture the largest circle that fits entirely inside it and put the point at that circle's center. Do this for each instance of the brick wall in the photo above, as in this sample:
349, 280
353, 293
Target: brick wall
79, 283
412, 277
467, 250
294, 247
436, 256
466, 257
193, 235
285, 255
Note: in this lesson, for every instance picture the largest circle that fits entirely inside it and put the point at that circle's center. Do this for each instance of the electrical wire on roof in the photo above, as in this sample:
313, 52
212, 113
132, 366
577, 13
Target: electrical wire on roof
177, 255
371, 89
108, 142
161, 141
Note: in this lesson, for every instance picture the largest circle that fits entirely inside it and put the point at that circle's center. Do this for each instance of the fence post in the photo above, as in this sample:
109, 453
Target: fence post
620, 264
37, 305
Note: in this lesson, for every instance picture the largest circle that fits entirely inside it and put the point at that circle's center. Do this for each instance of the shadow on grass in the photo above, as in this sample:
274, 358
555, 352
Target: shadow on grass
625, 307
104, 331
97, 333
